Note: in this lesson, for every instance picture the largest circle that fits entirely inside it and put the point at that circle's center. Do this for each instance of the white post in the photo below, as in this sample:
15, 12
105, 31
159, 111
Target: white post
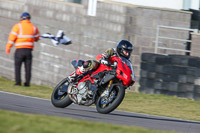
195, 4
92, 5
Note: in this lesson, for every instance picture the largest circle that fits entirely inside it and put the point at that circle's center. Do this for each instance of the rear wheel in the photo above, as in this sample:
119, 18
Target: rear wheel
107, 104
60, 98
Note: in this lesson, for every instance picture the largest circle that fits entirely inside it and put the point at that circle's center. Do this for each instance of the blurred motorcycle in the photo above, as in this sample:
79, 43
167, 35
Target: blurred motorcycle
105, 87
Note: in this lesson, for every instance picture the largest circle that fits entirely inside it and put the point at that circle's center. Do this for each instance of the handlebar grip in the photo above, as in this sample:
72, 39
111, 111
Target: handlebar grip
114, 65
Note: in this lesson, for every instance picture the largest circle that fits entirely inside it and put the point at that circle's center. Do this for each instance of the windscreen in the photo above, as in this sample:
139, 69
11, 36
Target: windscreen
128, 63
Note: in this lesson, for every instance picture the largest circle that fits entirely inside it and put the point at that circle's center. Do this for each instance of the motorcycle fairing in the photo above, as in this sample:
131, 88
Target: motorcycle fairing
123, 70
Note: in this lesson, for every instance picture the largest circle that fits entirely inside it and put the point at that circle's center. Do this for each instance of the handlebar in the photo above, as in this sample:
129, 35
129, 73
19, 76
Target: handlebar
114, 65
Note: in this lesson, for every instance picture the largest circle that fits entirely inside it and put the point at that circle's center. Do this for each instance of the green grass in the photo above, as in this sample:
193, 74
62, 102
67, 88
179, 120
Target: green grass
133, 102
33, 90
162, 105
13, 122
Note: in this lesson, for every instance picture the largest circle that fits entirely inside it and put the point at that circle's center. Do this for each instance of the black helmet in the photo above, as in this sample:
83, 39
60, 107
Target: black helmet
25, 15
124, 49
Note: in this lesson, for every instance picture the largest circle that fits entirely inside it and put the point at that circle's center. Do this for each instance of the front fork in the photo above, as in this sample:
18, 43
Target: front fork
110, 83
107, 90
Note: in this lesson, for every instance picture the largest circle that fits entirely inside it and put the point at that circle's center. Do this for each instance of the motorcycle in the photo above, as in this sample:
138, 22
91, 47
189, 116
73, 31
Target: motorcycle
105, 87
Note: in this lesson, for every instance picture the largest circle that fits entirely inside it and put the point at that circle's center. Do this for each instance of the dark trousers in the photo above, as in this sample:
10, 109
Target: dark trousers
23, 55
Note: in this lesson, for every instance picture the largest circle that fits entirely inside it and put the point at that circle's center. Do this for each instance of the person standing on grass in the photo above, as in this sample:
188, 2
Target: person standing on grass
22, 36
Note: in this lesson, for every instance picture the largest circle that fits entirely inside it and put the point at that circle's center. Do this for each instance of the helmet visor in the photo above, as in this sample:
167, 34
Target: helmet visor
126, 52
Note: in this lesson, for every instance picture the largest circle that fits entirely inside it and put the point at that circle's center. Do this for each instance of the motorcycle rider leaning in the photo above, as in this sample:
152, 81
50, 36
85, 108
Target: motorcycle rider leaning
123, 49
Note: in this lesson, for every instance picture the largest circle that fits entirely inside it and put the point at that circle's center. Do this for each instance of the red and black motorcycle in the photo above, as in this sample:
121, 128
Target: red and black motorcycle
104, 87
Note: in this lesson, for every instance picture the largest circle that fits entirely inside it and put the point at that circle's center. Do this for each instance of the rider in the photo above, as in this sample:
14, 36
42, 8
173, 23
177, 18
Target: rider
124, 49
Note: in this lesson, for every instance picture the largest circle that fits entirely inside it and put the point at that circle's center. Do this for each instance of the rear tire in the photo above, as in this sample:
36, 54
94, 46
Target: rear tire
106, 108
58, 98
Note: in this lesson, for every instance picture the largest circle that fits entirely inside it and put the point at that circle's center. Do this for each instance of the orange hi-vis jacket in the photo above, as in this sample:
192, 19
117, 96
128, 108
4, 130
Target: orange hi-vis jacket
23, 35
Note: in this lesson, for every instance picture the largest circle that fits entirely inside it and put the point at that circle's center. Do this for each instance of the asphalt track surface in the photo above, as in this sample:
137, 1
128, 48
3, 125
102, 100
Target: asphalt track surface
33, 105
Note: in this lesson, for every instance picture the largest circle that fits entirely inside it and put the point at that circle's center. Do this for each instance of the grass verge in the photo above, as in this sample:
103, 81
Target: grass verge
13, 122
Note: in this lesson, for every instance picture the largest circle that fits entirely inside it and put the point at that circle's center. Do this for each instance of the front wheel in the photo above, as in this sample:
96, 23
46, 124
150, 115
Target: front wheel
60, 98
106, 104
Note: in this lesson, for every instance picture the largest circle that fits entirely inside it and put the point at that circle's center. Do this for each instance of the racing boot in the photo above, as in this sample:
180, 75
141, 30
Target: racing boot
83, 68
75, 74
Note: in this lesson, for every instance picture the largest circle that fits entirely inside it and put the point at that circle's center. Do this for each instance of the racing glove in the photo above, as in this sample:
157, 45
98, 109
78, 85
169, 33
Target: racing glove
104, 61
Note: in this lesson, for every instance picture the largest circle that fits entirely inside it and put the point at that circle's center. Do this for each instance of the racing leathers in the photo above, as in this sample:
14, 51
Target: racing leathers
85, 66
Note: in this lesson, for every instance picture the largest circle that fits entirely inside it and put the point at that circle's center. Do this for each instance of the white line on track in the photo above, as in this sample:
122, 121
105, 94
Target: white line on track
23, 95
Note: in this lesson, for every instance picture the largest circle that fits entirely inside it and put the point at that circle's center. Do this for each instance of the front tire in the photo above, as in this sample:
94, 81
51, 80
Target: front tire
116, 97
58, 98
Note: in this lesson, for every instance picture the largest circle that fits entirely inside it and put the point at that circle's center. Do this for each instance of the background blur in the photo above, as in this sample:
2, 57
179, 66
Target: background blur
94, 26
